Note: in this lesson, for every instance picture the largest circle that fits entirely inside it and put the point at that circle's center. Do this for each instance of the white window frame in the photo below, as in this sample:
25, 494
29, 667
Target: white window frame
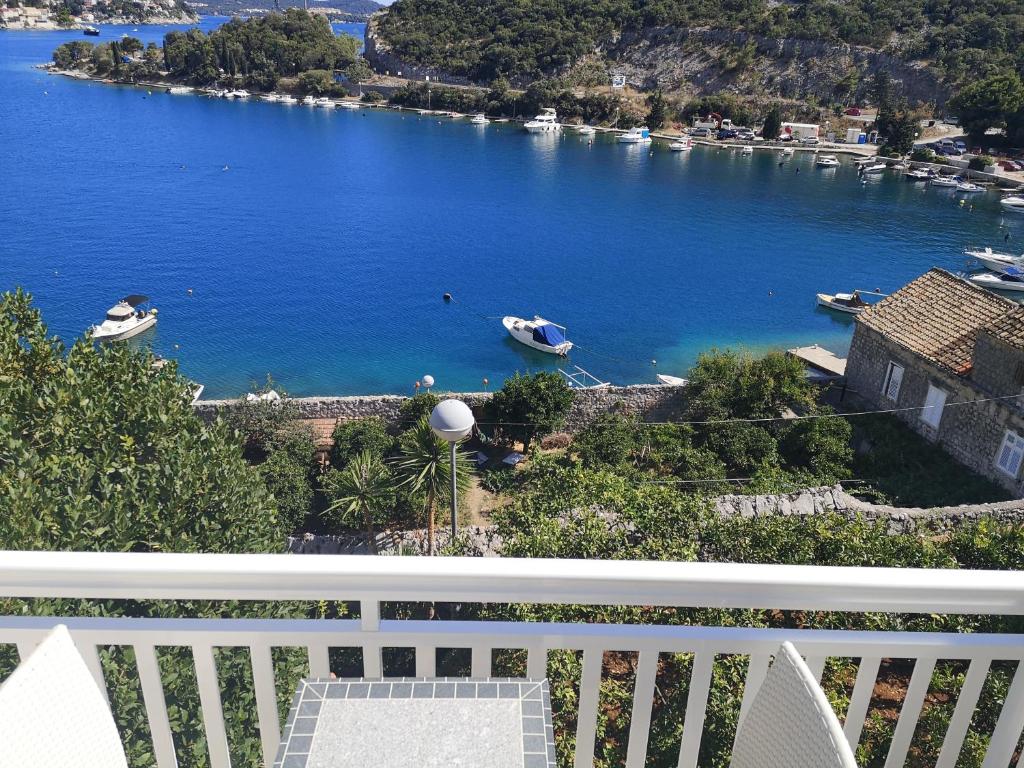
887, 382
934, 405
1010, 454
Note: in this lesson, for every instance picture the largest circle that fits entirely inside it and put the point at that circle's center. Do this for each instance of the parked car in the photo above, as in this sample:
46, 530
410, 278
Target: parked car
1019, 164
700, 133
1008, 165
725, 133
810, 141
853, 112
951, 120
746, 135
960, 145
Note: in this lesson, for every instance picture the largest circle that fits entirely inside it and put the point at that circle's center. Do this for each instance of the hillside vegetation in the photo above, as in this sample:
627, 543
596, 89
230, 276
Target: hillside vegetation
527, 39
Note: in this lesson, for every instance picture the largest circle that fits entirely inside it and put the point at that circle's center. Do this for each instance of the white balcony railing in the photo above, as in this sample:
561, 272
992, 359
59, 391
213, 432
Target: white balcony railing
371, 580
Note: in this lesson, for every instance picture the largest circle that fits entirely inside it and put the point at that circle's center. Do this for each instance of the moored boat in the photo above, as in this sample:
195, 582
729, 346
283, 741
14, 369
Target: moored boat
349, 104
683, 144
873, 168
538, 333
994, 260
179, 90
545, 122
851, 303
271, 97
308, 101
672, 381
636, 135
288, 99
747, 150
239, 94
325, 103
480, 119
90, 31
827, 161
1012, 279
1013, 203
966, 187
950, 182
586, 130
918, 174
125, 319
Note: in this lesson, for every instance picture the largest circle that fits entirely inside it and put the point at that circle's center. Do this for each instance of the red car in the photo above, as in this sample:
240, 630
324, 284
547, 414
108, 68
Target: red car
1006, 165
853, 112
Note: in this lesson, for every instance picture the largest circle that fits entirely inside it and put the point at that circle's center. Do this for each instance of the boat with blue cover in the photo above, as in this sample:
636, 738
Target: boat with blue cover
538, 333
1012, 279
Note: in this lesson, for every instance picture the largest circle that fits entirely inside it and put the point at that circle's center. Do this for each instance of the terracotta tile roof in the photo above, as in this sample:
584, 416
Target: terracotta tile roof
938, 316
1009, 328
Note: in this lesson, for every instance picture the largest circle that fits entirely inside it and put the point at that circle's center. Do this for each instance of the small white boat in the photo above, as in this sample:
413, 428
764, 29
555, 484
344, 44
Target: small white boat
945, 181
287, 99
874, 168
851, 303
586, 130
538, 333
747, 150
827, 161
1010, 280
179, 90
545, 122
240, 94
672, 381
271, 97
966, 187
918, 174
637, 135
325, 103
787, 152
1013, 203
349, 104
125, 319
684, 144
308, 101
480, 119
997, 262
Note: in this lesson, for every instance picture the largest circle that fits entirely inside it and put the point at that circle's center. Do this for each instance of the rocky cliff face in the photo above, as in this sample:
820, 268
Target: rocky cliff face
710, 60
379, 56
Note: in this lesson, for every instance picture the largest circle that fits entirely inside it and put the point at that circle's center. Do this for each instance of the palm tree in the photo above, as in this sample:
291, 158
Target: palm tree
362, 489
425, 465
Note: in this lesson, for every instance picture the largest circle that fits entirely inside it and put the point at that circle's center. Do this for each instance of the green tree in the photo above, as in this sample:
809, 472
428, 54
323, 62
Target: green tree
63, 17
610, 440
130, 45
417, 407
772, 126
527, 406
316, 81
362, 491
899, 129
658, 109
425, 468
989, 103
352, 438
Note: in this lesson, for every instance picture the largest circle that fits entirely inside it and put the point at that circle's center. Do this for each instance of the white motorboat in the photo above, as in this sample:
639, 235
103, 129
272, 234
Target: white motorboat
684, 144
240, 94
851, 303
997, 262
966, 187
787, 152
945, 181
179, 90
308, 101
538, 333
873, 168
287, 99
545, 122
125, 319
271, 97
827, 161
480, 119
349, 104
918, 174
636, 135
672, 381
1010, 280
324, 103
747, 150
586, 130
1013, 203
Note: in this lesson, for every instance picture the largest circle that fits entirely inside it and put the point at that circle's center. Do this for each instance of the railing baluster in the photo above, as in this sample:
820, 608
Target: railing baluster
586, 719
536, 662
319, 660
156, 705
426, 661
480, 664
860, 699
369, 610
966, 702
1009, 724
696, 707
817, 665
213, 712
910, 712
266, 701
91, 657
756, 671
643, 700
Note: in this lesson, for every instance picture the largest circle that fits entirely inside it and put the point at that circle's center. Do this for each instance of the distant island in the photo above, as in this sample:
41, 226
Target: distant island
291, 51
336, 10
67, 14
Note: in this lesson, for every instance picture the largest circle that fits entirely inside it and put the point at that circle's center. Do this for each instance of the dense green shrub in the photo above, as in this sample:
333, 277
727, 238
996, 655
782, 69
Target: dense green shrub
527, 406
610, 440
353, 437
416, 408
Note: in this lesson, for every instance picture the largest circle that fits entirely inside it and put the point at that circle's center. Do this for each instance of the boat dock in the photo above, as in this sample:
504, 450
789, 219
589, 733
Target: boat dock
820, 359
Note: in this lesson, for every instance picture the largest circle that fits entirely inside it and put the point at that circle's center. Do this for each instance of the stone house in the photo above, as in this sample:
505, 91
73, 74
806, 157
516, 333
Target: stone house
951, 356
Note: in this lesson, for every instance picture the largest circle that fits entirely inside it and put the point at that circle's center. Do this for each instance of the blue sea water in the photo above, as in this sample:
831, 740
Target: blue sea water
318, 244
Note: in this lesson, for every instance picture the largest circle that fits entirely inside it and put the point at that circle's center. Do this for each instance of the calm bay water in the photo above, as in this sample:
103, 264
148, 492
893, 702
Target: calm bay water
318, 244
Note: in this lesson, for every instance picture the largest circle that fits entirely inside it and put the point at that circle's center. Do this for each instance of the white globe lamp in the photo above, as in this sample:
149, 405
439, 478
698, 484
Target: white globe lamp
452, 421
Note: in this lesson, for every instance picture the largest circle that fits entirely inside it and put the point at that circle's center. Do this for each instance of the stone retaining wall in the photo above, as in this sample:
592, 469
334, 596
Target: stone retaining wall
648, 402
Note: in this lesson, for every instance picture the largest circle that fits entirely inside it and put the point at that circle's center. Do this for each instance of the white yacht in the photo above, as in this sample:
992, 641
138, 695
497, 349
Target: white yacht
586, 130
288, 99
480, 119
966, 187
179, 90
538, 333
125, 319
747, 150
1012, 279
944, 181
638, 135
919, 174
325, 103
349, 104
308, 101
545, 122
787, 152
271, 97
1013, 203
996, 261
827, 161
684, 144
240, 94
873, 168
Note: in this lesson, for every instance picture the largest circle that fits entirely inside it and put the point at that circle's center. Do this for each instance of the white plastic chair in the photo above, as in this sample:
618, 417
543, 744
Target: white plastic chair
790, 723
53, 714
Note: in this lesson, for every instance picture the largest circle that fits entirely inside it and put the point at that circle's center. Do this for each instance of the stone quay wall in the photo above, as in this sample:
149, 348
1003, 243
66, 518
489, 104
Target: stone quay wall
648, 402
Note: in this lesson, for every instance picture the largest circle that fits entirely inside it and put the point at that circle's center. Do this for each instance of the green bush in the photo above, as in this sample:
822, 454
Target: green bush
527, 406
416, 408
353, 437
980, 162
610, 440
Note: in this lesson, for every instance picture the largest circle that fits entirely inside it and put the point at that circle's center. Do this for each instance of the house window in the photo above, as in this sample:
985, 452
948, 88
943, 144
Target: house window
934, 402
893, 380
1011, 452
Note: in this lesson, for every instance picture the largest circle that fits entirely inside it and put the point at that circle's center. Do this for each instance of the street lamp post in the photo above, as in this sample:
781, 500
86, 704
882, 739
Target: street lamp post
452, 421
